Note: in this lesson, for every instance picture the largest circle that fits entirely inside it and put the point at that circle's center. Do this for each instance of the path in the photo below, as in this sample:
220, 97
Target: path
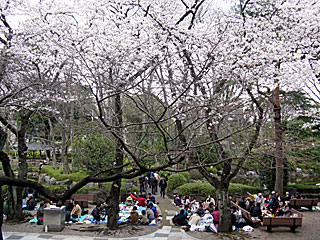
165, 233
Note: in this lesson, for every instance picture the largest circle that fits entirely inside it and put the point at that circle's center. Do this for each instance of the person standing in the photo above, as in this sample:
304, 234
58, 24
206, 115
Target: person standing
157, 177
163, 185
141, 183
153, 183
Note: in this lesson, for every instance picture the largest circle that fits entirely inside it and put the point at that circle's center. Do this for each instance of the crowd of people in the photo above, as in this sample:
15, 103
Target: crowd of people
153, 180
204, 215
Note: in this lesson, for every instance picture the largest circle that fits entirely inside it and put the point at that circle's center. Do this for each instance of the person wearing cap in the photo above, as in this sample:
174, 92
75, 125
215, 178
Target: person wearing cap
260, 199
129, 201
31, 203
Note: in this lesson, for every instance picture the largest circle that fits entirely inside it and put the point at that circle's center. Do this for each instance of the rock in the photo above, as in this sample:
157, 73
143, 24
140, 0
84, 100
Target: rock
65, 182
47, 179
52, 181
251, 173
90, 185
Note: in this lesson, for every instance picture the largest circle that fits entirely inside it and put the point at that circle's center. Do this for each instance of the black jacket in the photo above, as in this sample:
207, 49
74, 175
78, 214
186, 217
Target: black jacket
96, 214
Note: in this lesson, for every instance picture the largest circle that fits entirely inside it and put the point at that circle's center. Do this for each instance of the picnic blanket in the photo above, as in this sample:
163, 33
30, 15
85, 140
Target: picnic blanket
34, 220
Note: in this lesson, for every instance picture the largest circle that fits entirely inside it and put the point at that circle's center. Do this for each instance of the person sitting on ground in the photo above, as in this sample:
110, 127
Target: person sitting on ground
159, 213
194, 219
76, 212
151, 199
143, 219
104, 209
31, 203
208, 219
177, 201
210, 199
40, 213
200, 211
186, 210
96, 213
69, 207
129, 201
150, 214
256, 212
154, 209
134, 216
210, 207
180, 219
141, 200
216, 216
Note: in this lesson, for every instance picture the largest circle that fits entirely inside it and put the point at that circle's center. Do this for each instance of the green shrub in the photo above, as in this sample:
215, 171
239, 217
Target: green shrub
62, 188
59, 176
175, 181
242, 189
200, 189
305, 188
186, 175
165, 174
203, 189
212, 170
195, 174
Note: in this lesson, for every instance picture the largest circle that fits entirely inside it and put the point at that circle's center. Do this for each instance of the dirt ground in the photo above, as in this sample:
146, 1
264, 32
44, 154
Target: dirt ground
309, 231
94, 230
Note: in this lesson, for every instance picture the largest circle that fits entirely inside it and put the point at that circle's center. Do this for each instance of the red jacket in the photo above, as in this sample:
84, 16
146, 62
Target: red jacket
141, 200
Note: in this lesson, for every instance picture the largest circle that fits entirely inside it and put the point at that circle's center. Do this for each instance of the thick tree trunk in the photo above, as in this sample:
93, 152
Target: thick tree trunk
1, 212
113, 211
224, 208
116, 185
278, 141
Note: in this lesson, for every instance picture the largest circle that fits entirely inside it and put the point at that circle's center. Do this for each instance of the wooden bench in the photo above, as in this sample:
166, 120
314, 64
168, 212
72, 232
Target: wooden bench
245, 214
292, 222
309, 203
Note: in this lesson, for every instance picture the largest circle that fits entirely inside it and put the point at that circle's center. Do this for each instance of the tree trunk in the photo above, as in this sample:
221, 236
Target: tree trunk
64, 151
113, 213
53, 142
47, 137
1, 212
224, 207
278, 141
15, 209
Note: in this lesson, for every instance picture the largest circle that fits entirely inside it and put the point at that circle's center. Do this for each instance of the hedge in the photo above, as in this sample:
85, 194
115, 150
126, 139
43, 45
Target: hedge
175, 181
305, 188
62, 188
195, 174
186, 175
59, 176
204, 189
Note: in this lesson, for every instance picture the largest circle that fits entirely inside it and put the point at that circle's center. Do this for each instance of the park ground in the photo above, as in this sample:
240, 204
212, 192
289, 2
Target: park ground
309, 230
